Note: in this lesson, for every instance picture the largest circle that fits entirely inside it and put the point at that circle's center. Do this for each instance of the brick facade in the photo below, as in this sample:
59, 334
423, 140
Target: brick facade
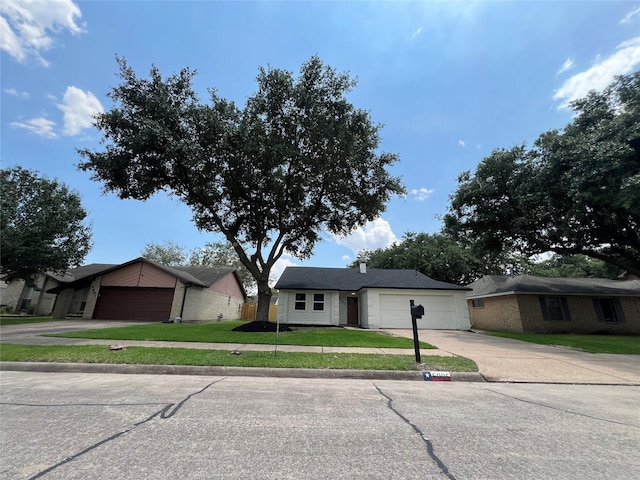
523, 313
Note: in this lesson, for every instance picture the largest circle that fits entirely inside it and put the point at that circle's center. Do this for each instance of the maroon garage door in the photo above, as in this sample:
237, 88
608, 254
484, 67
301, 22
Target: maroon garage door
122, 303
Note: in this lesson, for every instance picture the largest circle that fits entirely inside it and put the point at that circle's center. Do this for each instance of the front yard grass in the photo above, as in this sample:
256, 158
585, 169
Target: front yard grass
187, 356
621, 344
221, 332
20, 320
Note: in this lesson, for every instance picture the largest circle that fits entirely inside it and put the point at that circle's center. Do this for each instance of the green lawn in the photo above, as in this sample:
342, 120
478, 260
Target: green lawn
187, 356
21, 320
588, 343
222, 333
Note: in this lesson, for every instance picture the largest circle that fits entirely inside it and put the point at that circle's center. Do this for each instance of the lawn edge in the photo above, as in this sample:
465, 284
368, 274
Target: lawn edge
230, 371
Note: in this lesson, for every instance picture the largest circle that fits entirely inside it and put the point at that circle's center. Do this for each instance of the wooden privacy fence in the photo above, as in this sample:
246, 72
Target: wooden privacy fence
249, 310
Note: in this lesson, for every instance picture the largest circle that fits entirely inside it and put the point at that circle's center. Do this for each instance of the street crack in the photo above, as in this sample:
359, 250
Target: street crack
564, 410
165, 413
416, 429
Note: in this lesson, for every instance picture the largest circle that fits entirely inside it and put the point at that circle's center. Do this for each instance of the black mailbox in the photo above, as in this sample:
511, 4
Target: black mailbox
417, 311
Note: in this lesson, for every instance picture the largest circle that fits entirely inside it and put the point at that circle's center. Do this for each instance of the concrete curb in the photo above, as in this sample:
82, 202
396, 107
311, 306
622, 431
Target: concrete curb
228, 371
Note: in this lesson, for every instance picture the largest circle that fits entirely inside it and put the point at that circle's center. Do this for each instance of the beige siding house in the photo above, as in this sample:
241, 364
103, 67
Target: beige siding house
527, 303
368, 298
144, 290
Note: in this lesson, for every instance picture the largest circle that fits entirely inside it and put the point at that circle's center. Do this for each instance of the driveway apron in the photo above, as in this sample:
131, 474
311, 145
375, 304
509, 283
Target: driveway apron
507, 360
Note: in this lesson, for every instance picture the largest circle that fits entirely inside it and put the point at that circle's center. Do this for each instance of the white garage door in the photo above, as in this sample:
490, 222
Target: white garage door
439, 311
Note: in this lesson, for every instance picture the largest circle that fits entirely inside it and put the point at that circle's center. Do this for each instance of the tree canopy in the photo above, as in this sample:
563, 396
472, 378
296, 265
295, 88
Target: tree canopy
42, 225
212, 254
577, 191
167, 253
296, 160
574, 266
443, 258
437, 256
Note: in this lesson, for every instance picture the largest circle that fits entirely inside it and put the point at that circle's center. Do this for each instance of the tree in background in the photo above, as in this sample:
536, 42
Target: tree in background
576, 192
42, 225
574, 266
168, 253
222, 254
442, 258
297, 160
213, 254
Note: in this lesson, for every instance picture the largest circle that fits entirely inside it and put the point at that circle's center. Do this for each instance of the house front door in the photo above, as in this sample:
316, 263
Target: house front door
352, 311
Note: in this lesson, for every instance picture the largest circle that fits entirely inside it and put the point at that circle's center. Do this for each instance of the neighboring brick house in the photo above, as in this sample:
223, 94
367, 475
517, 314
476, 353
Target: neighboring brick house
145, 290
18, 297
526, 303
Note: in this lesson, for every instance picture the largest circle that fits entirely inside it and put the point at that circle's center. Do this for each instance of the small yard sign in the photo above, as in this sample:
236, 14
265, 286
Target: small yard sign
436, 376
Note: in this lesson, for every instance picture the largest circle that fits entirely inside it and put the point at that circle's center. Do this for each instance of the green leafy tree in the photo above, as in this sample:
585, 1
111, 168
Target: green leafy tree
222, 254
168, 253
576, 192
213, 254
42, 225
297, 160
574, 266
440, 257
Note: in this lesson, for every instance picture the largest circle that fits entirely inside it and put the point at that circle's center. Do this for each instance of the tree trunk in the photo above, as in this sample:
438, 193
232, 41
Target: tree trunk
264, 301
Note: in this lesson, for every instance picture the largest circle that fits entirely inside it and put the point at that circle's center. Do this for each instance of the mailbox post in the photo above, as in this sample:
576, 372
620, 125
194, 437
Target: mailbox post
416, 312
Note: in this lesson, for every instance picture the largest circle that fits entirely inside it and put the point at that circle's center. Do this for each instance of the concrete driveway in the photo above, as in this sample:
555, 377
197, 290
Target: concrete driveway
507, 360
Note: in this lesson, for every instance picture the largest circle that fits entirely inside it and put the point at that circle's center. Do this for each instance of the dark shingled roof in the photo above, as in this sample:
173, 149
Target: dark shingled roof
81, 276
350, 279
81, 272
529, 284
207, 275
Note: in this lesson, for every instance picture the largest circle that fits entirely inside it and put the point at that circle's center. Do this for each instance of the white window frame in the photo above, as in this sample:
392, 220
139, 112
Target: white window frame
300, 299
318, 302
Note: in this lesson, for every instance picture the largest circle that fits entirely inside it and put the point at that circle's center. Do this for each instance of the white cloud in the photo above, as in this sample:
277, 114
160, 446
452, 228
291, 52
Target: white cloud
625, 59
278, 267
346, 258
416, 33
78, 107
421, 194
15, 93
630, 15
28, 27
567, 65
461, 143
42, 127
373, 235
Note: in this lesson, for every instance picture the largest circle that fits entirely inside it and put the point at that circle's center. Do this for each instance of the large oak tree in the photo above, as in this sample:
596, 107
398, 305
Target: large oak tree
296, 160
577, 191
42, 225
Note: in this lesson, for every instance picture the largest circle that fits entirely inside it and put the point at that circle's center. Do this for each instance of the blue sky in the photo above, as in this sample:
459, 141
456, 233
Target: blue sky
450, 81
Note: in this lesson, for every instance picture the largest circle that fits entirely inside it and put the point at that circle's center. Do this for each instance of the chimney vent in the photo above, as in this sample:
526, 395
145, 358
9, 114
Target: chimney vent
363, 256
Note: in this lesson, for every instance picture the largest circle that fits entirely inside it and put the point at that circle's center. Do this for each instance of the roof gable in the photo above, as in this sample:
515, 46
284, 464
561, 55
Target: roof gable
529, 284
350, 279
200, 276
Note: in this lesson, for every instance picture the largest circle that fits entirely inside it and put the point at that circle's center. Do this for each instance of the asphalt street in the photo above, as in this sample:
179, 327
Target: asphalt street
94, 426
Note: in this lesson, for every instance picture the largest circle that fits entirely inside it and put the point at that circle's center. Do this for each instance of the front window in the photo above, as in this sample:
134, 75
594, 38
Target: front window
25, 303
318, 301
301, 301
477, 303
555, 309
609, 310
